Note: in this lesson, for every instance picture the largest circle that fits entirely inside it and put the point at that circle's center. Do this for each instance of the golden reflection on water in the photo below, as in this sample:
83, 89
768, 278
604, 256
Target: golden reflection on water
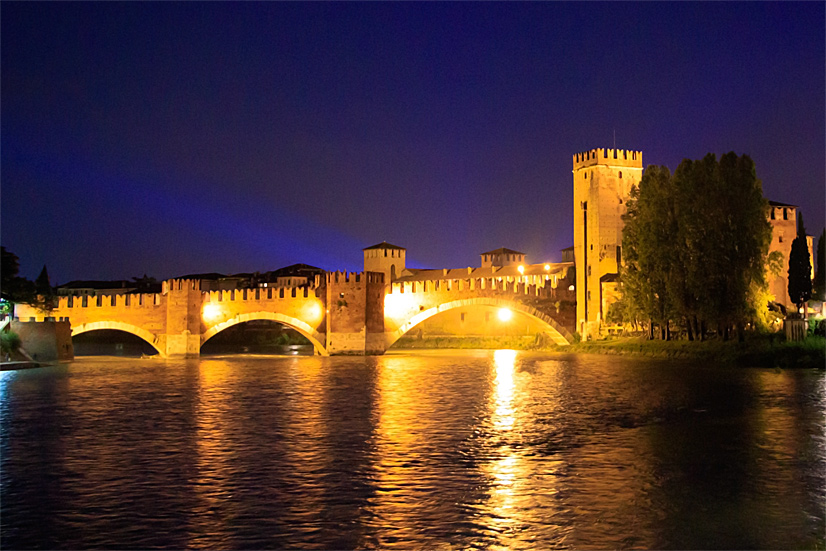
213, 452
508, 470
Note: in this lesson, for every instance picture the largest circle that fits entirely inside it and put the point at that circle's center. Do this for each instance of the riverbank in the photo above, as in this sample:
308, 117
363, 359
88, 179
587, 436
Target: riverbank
756, 351
13, 365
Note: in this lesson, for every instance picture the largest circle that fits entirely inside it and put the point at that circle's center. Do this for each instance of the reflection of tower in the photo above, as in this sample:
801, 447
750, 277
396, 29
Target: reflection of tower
602, 182
385, 258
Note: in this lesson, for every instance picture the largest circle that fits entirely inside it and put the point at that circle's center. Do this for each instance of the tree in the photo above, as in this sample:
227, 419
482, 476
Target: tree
819, 282
800, 267
644, 242
15, 288
42, 284
9, 270
695, 244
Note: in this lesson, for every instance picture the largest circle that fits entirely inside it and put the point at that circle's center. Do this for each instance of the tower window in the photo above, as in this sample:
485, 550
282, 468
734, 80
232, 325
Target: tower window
585, 175
785, 214
772, 214
779, 238
620, 175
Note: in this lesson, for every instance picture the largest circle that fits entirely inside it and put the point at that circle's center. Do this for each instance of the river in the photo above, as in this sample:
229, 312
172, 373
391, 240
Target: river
440, 449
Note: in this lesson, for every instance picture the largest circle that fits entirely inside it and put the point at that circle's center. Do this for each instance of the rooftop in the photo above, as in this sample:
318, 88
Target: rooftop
384, 245
503, 250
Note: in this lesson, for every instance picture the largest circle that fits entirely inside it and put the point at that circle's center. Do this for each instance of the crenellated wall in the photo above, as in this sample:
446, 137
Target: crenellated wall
409, 303
355, 313
351, 313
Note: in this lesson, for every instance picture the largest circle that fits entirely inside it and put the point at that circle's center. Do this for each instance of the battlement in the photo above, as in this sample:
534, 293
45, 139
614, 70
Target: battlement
109, 301
354, 277
270, 293
180, 285
608, 157
475, 285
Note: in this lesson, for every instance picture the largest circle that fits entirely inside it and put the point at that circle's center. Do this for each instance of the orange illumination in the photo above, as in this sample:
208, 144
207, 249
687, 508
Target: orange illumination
313, 313
521, 269
504, 314
547, 267
399, 305
211, 312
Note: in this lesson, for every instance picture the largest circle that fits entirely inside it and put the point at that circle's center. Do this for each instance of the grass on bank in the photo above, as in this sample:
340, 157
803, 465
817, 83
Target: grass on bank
754, 351
758, 350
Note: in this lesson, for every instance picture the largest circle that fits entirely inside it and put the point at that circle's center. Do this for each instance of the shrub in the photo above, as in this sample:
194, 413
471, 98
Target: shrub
9, 342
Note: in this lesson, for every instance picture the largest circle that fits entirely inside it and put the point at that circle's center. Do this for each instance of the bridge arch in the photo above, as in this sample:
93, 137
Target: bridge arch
316, 338
558, 334
119, 326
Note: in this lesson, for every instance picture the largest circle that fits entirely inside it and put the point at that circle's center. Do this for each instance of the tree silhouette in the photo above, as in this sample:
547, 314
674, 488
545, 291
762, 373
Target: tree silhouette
800, 267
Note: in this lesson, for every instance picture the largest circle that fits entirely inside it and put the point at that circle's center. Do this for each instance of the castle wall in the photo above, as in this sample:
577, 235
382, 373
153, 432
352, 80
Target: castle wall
355, 324
603, 179
45, 341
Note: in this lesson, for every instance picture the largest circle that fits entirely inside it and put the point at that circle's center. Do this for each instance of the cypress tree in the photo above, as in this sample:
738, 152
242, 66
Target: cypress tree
819, 282
800, 267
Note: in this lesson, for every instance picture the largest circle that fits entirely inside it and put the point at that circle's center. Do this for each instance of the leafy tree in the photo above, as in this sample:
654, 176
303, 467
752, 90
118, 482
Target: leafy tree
695, 244
649, 227
819, 282
9, 270
15, 288
800, 267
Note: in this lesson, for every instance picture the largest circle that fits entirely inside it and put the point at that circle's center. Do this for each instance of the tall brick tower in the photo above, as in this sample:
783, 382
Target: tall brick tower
602, 182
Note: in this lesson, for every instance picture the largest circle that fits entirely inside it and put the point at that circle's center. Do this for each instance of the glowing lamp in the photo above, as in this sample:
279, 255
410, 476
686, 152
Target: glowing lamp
521, 269
547, 267
504, 314
211, 311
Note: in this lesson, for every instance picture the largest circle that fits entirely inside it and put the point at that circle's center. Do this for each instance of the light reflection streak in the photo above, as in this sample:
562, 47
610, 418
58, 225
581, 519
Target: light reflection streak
509, 470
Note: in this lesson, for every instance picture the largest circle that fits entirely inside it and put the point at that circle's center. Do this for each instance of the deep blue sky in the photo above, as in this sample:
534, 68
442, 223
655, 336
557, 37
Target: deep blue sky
175, 138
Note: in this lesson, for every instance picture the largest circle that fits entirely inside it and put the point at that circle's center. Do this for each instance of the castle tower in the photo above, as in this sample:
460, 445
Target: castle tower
385, 258
603, 179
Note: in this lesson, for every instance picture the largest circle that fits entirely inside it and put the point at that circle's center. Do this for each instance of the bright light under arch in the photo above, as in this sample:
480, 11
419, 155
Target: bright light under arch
505, 314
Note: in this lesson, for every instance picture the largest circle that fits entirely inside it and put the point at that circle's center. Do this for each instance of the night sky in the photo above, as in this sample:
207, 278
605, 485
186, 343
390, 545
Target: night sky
177, 138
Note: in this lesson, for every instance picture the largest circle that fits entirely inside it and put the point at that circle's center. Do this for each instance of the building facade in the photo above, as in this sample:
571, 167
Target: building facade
603, 179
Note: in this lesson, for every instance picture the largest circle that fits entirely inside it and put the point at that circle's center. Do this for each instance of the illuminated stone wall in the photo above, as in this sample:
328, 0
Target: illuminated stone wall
355, 323
603, 179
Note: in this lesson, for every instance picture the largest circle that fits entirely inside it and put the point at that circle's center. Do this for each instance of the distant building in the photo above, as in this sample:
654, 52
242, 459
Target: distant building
296, 275
95, 288
385, 258
504, 265
502, 257
783, 219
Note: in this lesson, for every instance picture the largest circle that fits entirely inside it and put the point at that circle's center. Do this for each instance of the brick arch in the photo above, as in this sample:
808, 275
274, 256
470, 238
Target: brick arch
120, 326
305, 329
558, 333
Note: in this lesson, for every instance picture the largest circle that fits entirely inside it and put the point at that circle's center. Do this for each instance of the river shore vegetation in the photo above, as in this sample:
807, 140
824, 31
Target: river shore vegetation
769, 350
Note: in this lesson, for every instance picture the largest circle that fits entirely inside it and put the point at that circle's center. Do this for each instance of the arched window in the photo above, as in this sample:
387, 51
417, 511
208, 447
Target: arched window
620, 175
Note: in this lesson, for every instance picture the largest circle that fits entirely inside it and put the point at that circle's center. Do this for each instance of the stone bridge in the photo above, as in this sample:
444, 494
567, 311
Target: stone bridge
347, 313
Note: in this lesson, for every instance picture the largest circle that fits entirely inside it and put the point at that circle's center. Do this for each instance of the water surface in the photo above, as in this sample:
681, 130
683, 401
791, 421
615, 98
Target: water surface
470, 449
